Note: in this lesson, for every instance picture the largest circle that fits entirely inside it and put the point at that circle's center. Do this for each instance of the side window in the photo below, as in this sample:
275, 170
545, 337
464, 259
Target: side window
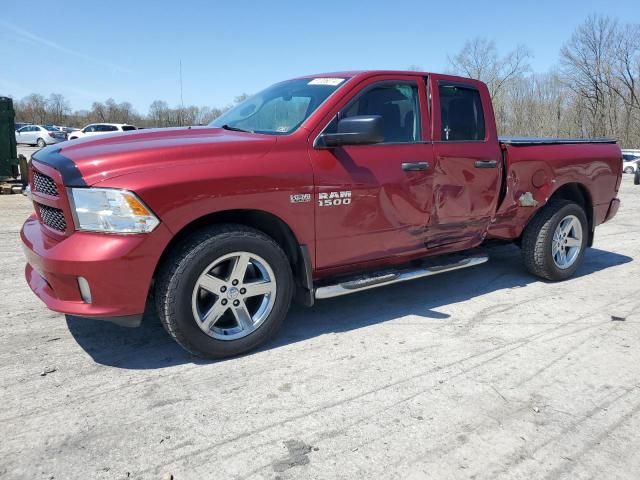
398, 105
461, 113
109, 128
89, 129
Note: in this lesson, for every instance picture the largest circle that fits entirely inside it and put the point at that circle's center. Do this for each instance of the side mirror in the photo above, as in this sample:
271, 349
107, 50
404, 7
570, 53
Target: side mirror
358, 130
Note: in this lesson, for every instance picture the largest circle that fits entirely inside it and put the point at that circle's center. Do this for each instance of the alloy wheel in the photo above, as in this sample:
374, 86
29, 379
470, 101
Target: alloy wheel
567, 242
234, 295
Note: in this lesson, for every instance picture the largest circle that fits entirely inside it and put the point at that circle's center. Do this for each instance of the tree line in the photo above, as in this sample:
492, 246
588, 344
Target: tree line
56, 110
594, 91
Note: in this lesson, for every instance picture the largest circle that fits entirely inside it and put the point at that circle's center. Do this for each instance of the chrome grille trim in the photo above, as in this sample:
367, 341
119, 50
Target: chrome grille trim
52, 217
44, 184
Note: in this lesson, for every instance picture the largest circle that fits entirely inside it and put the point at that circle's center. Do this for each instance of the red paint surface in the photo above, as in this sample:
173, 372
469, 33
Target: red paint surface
186, 173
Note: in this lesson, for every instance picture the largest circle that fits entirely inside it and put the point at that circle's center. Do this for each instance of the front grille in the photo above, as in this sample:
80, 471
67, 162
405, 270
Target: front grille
44, 184
53, 217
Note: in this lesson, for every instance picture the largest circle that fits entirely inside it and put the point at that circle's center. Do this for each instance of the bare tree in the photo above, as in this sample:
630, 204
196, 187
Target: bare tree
479, 59
34, 107
587, 67
99, 112
158, 113
58, 109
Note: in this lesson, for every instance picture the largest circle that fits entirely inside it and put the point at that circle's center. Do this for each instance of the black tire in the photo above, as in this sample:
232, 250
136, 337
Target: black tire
179, 273
41, 143
628, 170
537, 240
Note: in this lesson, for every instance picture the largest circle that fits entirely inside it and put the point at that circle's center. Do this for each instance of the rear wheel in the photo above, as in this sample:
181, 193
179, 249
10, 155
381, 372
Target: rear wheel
554, 242
41, 143
628, 170
224, 291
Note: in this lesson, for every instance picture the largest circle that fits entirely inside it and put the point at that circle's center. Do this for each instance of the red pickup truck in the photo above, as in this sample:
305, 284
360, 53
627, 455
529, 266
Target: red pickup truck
315, 187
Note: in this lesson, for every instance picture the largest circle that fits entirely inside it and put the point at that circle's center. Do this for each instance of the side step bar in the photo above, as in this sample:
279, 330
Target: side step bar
387, 277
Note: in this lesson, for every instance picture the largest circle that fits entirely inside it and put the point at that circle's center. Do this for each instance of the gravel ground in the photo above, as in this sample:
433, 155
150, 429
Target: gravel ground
484, 373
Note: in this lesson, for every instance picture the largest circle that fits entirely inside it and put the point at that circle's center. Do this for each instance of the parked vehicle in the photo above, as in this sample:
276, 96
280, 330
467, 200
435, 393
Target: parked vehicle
315, 187
69, 130
629, 162
39, 135
101, 129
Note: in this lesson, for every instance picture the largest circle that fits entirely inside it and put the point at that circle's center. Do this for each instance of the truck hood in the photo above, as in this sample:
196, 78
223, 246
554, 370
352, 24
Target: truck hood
90, 160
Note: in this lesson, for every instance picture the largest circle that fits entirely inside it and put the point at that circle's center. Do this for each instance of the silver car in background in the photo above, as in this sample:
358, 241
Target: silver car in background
39, 135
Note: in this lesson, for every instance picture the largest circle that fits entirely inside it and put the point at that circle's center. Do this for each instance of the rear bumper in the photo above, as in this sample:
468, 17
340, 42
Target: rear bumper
117, 268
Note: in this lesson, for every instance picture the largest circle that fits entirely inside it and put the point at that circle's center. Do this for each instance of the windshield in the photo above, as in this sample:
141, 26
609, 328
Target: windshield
281, 108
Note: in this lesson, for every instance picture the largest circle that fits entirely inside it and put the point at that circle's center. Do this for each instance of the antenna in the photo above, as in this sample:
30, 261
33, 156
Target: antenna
181, 99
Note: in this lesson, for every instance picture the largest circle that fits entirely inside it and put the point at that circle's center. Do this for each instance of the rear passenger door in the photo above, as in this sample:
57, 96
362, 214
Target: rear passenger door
466, 182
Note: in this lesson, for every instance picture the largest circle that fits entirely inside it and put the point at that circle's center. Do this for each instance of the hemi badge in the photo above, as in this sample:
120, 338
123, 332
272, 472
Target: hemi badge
300, 198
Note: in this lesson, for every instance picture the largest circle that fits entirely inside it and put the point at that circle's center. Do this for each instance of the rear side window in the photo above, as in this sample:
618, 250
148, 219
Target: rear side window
126, 128
461, 114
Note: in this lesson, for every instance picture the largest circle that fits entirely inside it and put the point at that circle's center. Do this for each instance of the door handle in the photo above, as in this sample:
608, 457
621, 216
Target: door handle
415, 166
486, 163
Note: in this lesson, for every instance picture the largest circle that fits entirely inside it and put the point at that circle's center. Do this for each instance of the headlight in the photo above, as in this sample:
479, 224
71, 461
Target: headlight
110, 210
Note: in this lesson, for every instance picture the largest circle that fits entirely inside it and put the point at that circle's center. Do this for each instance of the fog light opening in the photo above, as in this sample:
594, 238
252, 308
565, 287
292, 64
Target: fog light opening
85, 291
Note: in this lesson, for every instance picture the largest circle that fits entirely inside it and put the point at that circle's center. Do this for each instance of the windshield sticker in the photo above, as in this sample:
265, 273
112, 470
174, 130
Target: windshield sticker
326, 81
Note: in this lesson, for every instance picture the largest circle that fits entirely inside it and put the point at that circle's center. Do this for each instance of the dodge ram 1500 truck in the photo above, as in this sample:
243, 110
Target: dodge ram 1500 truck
316, 187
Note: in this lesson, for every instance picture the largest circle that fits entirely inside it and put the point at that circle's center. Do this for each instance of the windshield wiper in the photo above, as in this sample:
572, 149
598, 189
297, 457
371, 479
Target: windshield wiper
235, 129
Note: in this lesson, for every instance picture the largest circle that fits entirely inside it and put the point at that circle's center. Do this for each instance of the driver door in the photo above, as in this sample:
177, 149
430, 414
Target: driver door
373, 201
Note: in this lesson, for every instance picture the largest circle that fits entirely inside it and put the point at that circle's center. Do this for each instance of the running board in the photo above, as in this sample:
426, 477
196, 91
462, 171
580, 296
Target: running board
387, 277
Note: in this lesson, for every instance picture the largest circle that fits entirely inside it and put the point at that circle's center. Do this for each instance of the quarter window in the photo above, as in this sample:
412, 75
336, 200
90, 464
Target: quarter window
461, 114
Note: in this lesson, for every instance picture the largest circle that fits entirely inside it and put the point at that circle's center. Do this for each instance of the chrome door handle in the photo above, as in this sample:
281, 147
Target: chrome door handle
415, 166
486, 163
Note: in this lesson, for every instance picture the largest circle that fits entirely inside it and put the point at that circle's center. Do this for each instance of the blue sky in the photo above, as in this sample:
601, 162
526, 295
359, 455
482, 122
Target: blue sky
130, 50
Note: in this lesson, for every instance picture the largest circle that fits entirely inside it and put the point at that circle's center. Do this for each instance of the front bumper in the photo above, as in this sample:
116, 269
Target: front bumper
118, 269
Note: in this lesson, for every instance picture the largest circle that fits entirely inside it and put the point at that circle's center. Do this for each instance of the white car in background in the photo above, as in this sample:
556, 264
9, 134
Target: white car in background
39, 135
100, 129
630, 160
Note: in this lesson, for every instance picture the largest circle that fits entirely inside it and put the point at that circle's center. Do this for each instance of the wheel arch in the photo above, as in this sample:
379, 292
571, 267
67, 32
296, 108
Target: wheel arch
578, 193
267, 223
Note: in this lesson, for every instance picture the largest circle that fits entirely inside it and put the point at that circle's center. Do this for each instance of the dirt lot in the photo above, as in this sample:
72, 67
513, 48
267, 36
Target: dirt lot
484, 373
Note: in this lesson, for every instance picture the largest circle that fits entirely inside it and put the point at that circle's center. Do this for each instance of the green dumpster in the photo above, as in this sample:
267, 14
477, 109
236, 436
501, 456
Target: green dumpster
8, 152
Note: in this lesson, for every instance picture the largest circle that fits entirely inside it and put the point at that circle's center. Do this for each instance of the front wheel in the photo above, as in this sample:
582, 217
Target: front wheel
555, 240
224, 291
628, 170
